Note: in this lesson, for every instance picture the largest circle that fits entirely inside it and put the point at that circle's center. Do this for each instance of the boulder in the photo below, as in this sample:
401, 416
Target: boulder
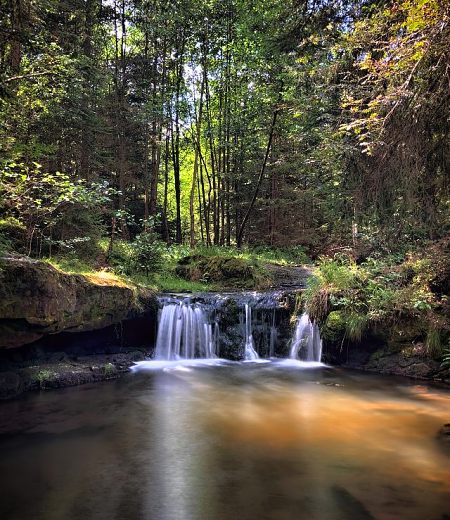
36, 300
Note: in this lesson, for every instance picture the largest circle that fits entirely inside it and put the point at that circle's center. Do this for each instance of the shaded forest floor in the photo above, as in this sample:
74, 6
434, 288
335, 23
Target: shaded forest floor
178, 268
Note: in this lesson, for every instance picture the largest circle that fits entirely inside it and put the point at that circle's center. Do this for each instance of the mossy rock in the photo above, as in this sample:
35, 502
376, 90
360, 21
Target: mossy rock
218, 269
334, 328
36, 300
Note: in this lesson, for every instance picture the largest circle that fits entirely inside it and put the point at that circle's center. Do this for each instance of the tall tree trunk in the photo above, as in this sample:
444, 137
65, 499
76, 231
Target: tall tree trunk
260, 178
17, 16
87, 136
195, 172
176, 140
165, 230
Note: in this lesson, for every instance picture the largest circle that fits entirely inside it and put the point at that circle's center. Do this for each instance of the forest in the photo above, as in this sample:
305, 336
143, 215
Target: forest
312, 123
229, 220
140, 137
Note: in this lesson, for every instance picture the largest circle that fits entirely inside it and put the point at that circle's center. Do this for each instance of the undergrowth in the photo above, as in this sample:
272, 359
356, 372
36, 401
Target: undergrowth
150, 263
348, 299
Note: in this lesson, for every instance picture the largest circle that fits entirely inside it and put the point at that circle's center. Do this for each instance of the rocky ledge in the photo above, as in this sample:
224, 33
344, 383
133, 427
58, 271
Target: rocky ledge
62, 370
37, 300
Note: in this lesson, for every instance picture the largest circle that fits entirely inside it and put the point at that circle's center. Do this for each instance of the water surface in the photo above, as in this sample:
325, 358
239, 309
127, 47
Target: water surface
227, 441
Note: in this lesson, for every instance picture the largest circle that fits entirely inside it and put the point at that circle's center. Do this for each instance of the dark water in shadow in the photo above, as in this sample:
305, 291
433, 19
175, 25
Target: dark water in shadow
231, 442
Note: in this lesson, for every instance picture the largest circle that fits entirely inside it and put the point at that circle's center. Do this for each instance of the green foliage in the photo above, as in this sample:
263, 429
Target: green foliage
70, 263
45, 202
144, 254
167, 281
109, 370
147, 253
5, 245
45, 378
100, 130
433, 343
295, 255
349, 299
120, 257
355, 324
12, 234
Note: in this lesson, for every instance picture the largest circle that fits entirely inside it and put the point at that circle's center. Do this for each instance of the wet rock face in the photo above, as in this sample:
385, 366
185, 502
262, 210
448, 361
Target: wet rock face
37, 300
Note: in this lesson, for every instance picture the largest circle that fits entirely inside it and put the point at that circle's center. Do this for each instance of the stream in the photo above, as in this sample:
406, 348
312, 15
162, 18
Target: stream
220, 440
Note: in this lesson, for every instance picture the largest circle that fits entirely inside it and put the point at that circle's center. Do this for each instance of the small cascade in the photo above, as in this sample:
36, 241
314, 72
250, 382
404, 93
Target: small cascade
184, 332
306, 344
234, 326
250, 352
273, 336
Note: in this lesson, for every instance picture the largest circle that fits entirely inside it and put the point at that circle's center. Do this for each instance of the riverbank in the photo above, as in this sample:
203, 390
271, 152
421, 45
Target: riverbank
63, 370
60, 329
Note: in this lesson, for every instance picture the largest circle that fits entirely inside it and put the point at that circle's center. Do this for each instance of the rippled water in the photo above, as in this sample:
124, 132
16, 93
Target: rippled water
227, 441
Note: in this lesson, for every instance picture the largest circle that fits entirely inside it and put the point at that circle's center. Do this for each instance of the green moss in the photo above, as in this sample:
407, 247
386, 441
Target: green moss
334, 327
45, 378
221, 271
109, 370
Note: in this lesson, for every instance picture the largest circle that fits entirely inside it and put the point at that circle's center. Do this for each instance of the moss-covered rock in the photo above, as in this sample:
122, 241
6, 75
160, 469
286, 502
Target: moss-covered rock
224, 271
333, 329
36, 299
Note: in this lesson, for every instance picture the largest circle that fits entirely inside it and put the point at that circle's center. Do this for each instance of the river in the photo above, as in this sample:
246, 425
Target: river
220, 440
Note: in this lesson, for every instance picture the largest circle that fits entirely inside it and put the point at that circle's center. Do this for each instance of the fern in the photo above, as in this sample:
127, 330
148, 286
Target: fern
433, 342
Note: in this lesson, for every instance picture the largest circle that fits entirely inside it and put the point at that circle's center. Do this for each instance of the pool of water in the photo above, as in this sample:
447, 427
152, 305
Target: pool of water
227, 441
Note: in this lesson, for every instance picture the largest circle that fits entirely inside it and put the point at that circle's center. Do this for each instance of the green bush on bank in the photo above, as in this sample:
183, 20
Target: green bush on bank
348, 299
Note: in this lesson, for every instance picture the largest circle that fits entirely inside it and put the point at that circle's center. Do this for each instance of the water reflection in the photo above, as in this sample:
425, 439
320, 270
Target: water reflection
227, 441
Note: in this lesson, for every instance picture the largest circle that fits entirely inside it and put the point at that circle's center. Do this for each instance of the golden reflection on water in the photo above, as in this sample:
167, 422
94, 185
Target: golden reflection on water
228, 443
389, 440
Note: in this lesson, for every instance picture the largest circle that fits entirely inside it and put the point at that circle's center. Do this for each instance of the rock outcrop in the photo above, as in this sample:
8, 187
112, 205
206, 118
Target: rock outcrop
37, 300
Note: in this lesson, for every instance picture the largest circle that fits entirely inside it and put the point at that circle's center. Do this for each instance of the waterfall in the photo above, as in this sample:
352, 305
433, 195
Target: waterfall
250, 352
306, 343
236, 326
184, 332
273, 336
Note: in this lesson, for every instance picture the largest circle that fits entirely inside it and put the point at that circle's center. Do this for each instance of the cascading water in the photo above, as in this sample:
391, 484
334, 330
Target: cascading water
184, 331
306, 344
250, 352
246, 326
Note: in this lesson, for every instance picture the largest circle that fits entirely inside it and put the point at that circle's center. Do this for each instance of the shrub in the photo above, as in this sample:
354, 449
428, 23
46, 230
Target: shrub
147, 253
348, 299
446, 357
12, 234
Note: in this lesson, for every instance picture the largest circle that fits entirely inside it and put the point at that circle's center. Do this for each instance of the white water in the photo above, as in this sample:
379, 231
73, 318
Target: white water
250, 352
188, 330
306, 344
184, 333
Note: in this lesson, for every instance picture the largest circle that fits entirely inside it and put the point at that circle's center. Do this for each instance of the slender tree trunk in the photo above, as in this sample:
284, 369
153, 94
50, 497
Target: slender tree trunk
176, 141
260, 178
87, 136
195, 172
166, 234
17, 16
